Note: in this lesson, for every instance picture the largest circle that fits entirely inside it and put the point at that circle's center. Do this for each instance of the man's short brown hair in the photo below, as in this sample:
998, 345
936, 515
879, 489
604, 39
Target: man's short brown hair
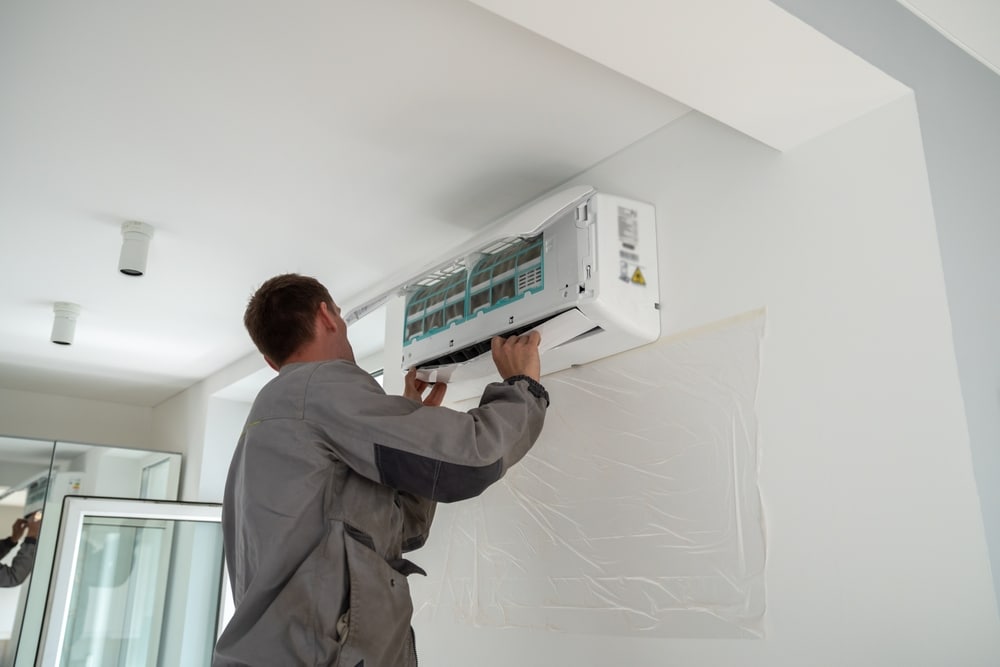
282, 313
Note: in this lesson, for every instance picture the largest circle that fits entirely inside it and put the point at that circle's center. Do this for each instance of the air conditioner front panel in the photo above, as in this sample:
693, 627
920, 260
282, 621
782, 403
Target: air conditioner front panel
588, 282
512, 283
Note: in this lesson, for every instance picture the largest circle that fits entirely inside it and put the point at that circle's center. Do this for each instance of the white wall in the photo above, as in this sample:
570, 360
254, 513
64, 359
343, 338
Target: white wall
876, 551
958, 99
179, 424
195, 424
52, 418
222, 430
49, 417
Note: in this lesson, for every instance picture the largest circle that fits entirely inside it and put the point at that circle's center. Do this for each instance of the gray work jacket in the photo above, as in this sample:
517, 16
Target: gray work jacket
19, 569
331, 481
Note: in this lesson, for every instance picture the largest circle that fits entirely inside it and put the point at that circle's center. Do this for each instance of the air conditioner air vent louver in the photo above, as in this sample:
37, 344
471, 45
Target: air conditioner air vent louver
482, 347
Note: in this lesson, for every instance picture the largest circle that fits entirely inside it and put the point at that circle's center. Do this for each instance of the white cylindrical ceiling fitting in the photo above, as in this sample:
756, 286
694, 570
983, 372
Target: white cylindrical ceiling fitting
135, 248
64, 324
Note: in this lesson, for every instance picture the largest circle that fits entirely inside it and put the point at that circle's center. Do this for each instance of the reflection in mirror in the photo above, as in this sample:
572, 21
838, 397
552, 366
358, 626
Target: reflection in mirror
19, 548
24, 467
66, 469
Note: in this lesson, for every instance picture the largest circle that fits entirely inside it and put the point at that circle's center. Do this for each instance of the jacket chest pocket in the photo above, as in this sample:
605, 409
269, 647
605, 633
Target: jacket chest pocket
378, 623
368, 506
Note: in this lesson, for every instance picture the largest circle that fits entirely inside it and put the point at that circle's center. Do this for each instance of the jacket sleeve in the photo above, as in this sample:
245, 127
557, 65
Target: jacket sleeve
430, 452
6, 544
418, 513
18, 571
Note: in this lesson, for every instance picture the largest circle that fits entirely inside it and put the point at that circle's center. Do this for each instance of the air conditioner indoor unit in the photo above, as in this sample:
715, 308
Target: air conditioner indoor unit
580, 266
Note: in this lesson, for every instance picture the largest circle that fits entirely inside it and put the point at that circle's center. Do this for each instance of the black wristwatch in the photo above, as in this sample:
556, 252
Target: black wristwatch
534, 386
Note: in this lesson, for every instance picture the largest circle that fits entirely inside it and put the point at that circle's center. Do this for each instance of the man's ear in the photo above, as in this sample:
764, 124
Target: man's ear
327, 318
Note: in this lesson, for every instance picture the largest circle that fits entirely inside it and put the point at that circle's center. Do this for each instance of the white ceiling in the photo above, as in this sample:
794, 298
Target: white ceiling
333, 139
338, 139
746, 63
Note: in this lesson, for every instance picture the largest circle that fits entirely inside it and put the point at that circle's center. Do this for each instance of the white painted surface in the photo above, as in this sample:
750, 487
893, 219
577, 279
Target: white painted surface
876, 553
341, 140
50, 417
746, 63
181, 424
224, 425
974, 25
958, 101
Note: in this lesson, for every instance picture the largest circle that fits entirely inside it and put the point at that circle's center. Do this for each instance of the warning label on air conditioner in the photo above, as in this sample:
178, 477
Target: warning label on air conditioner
630, 272
628, 227
629, 269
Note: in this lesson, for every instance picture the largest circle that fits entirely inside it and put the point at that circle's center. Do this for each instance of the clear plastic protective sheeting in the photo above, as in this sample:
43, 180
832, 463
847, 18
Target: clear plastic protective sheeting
637, 512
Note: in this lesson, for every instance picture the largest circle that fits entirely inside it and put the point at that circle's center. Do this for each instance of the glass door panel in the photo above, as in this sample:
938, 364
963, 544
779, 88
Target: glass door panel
134, 584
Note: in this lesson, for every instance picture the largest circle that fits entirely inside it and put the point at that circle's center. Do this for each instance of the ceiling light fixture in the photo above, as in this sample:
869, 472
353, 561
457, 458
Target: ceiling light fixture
64, 324
135, 248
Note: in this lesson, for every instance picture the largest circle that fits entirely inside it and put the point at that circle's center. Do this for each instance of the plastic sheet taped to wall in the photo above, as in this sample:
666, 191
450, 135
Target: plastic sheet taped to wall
636, 513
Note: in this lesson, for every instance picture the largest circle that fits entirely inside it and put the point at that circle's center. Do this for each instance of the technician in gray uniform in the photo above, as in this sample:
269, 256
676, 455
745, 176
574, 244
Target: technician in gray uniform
15, 573
332, 480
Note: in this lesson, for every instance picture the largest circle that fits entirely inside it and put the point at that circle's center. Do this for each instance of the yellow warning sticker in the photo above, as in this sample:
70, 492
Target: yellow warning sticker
637, 277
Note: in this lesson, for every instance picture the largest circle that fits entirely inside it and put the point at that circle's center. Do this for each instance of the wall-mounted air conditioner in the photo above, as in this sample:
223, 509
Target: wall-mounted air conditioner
579, 266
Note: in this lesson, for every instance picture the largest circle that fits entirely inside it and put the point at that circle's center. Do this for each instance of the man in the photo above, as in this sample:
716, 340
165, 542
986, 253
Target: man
332, 480
15, 573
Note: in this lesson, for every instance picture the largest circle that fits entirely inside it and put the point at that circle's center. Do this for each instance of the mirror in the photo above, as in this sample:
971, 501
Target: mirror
22, 463
35, 477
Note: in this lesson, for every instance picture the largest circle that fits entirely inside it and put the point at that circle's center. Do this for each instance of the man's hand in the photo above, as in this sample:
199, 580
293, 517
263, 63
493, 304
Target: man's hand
517, 355
415, 390
34, 526
17, 529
